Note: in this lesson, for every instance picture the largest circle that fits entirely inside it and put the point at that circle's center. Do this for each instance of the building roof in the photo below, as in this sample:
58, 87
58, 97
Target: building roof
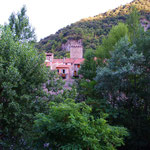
60, 62
69, 60
79, 61
63, 66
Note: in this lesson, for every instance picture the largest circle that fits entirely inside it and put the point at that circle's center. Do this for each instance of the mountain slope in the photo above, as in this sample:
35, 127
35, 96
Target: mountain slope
92, 30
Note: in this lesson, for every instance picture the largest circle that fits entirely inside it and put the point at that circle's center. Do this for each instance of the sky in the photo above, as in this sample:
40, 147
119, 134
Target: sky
48, 16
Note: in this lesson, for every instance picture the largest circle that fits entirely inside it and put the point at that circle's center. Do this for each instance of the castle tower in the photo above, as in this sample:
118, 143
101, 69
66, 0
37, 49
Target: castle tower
76, 49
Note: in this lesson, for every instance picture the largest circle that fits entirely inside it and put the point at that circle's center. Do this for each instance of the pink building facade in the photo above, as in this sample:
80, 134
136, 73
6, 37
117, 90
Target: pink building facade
67, 67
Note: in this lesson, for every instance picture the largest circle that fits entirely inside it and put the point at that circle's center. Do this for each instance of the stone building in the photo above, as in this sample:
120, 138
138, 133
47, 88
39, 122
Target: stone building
67, 67
76, 49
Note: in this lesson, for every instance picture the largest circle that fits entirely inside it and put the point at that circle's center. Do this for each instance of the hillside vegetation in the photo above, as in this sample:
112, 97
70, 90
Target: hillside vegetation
91, 30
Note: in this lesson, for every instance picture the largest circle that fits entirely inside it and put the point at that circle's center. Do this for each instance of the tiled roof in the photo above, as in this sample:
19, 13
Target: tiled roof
66, 60
79, 61
63, 66
69, 60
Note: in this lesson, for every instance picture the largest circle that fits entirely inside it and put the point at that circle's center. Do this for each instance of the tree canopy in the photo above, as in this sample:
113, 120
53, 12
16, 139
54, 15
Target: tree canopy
108, 43
88, 68
22, 74
20, 26
124, 83
70, 126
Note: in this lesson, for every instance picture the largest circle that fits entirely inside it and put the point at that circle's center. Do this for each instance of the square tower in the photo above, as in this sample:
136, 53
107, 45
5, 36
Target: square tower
76, 49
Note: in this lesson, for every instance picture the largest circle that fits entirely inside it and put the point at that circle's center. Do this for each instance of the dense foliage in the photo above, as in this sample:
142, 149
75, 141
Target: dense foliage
93, 29
124, 82
108, 43
23, 100
69, 126
22, 75
36, 112
121, 85
88, 70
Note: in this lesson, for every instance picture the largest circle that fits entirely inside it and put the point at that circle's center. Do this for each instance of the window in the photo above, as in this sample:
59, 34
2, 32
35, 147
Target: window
78, 66
63, 70
75, 73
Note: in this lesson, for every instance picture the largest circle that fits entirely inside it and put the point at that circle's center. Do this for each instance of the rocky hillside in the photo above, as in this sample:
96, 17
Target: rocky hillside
92, 30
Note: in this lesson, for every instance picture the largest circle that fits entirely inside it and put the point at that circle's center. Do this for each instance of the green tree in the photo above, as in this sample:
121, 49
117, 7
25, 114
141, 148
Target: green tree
85, 85
69, 125
20, 26
85, 89
133, 23
108, 43
88, 68
124, 83
55, 83
22, 74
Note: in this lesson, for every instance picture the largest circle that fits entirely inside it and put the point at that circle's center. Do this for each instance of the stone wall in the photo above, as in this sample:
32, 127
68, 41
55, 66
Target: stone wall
75, 47
76, 52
